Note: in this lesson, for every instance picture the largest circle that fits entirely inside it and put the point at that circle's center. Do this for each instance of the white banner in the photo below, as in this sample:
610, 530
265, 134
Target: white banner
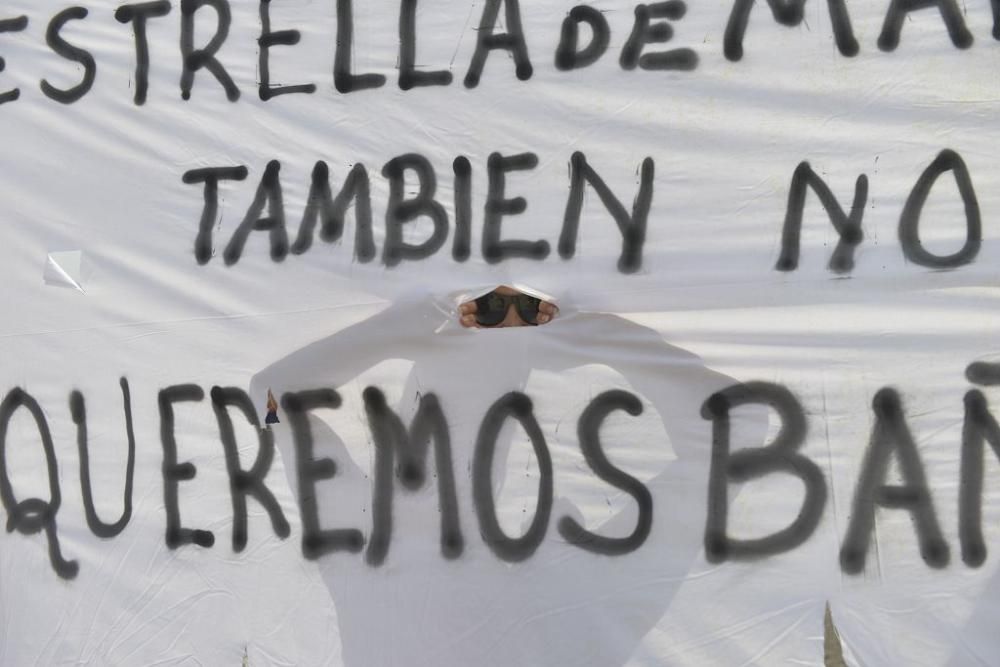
771, 382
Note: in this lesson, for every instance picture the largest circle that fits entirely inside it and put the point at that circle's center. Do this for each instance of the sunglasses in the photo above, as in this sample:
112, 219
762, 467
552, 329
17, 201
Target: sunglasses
491, 309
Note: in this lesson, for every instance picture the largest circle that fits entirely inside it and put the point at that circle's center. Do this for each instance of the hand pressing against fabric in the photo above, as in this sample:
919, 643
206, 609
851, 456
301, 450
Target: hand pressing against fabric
505, 307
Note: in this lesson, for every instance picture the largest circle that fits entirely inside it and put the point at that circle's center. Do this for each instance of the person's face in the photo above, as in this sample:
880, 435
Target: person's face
512, 318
